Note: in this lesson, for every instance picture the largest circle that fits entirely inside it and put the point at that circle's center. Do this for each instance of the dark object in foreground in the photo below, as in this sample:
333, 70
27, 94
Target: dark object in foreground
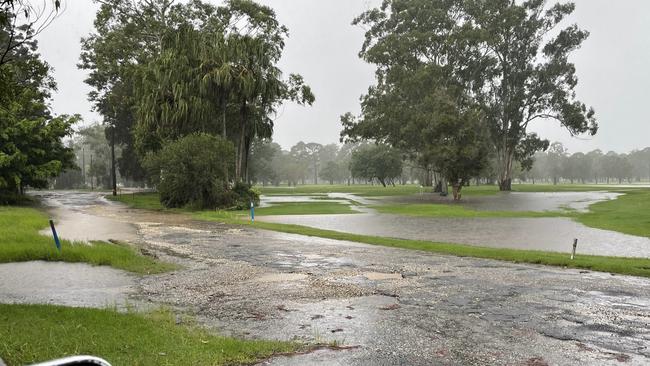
76, 361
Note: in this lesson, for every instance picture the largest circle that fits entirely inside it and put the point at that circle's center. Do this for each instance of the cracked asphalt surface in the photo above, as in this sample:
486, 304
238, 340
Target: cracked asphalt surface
387, 306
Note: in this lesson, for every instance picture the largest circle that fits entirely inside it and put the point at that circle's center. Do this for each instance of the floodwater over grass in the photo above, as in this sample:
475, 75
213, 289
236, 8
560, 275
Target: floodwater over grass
546, 220
21, 241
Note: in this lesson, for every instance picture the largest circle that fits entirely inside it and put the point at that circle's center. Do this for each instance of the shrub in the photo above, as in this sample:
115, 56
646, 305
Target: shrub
191, 171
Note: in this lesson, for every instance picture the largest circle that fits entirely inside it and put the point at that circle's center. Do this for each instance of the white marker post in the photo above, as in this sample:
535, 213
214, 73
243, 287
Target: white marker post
575, 245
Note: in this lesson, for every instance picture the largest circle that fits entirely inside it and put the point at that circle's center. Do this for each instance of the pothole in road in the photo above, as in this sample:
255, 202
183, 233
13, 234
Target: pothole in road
379, 276
281, 277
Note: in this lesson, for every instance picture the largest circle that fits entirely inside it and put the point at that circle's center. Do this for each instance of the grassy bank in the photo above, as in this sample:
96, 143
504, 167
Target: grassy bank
20, 241
33, 333
303, 208
628, 214
150, 201
620, 265
145, 200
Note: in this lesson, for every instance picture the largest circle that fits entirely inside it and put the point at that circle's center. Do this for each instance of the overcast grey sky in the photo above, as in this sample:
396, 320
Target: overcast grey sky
612, 66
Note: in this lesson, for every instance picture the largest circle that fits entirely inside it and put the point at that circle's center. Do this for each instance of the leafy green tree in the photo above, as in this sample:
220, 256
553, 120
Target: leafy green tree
335, 171
557, 156
379, 162
31, 139
493, 55
21, 21
128, 35
422, 103
527, 75
263, 153
189, 172
221, 64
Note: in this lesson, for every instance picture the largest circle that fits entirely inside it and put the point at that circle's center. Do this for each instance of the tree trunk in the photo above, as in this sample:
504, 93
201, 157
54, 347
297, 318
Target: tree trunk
505, 176
455, 189
239, 159
247, 149
223, 134
428, 180
113, 172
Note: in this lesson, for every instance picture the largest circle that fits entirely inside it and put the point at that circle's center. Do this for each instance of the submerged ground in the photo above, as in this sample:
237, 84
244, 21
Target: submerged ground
391, 306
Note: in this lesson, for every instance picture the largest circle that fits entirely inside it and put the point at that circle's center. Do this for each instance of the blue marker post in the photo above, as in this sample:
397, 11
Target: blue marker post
252, 212
56, 237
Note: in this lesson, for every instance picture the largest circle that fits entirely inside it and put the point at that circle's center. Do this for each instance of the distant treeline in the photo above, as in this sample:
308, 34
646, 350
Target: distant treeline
557, 165
313, 163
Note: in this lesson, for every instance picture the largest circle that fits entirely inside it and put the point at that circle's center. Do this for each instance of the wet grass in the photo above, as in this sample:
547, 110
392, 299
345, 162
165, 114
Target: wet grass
150, 201
629, 213
618, 265
36, 333
143, 200
456, 210
302, 208
20, 241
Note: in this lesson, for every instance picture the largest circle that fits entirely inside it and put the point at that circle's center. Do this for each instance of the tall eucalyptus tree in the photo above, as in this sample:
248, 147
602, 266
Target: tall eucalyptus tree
496, 57
529, 75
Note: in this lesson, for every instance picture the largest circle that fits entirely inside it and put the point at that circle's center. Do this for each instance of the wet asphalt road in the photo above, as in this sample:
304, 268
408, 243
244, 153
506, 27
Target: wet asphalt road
391, 306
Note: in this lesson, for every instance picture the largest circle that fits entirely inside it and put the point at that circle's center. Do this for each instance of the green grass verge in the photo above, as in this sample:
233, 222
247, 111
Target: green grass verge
20, 241
456, 210
629, 213
302, 208
620, 265
36, 333
150, 201
147, 200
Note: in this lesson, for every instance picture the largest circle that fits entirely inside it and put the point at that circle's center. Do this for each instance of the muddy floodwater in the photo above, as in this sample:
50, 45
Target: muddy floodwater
85, 216
517, 201
70, 284
385, 306
548, 234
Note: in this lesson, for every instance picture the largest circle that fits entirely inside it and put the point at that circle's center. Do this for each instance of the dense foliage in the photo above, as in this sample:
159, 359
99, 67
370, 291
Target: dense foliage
441, 62
31, 138
558, 165
190, 172
380, 162
164, 70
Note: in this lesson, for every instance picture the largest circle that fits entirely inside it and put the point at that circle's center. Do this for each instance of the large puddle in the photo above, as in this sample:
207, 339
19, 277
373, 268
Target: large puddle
85, 216
344, 198
549, 234
69, 284
519, 201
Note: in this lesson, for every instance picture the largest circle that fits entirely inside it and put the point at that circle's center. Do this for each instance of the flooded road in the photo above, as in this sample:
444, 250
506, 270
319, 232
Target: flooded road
85, 216
389, 306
